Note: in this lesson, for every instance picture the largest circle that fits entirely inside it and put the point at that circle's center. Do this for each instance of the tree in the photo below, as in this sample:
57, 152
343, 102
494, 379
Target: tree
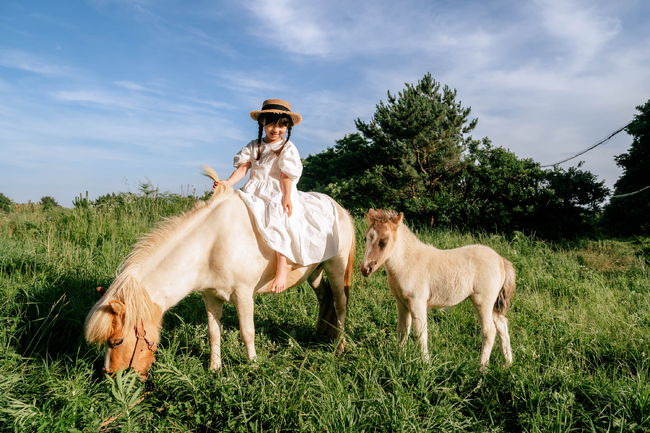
416, 155
504, 193
48, 202
405, 158
5, 203
630, 214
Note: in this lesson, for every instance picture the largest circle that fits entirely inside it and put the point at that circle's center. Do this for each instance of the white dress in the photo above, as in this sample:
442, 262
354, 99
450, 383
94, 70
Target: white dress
310, 234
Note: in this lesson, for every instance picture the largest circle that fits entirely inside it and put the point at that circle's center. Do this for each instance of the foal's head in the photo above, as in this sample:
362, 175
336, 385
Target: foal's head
380, 238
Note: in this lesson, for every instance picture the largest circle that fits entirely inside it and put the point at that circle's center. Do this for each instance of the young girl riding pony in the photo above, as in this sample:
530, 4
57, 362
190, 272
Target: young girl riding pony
298, 226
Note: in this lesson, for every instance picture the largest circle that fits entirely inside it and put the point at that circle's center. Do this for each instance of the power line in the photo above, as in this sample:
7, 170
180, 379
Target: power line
593, 146
631, 193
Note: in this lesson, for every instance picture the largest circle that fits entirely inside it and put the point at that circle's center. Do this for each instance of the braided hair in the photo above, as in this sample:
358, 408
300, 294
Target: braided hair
272, 118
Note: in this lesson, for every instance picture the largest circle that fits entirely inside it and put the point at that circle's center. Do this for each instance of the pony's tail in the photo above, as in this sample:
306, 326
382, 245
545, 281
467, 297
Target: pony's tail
347, 277
507, 292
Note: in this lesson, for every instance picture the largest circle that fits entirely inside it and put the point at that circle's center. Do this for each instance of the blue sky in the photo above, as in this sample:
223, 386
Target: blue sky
100, 95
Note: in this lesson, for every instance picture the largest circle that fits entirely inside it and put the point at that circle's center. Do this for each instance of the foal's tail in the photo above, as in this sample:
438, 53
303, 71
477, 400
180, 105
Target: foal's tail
508, 290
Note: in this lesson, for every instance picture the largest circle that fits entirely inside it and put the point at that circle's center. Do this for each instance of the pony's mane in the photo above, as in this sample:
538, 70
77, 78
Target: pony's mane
125, 288
150, 241
381, 216
139, 306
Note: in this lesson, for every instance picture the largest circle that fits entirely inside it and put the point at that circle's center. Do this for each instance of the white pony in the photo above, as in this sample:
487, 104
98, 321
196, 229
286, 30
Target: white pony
423, 277
215, 249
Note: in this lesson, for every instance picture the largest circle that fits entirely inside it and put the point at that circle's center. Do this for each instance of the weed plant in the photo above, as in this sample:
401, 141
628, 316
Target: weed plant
580, 330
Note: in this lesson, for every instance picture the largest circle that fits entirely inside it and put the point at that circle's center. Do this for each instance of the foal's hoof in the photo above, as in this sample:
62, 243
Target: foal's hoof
340, 348
483, 369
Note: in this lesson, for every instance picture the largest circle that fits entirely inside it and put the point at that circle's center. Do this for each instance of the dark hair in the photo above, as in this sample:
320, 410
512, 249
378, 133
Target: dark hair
272, 118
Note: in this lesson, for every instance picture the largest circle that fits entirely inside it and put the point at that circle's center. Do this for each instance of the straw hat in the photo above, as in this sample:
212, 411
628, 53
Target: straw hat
277, 106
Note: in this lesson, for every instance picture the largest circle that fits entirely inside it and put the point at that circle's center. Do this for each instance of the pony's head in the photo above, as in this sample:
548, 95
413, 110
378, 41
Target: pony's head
128, 325
380, 238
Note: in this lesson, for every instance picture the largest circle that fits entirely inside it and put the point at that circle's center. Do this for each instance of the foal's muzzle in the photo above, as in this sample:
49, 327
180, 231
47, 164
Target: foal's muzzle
368, 268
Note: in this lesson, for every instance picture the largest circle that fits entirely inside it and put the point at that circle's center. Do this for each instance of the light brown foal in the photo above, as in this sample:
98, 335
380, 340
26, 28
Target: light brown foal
422, 277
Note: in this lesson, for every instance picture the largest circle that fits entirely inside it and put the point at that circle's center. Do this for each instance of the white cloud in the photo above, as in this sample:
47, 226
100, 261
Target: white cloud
291, 23
95, 98
250, 82
581, 29
24, 61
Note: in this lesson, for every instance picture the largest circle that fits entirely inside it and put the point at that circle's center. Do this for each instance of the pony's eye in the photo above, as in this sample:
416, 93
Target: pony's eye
115, 343
382, 243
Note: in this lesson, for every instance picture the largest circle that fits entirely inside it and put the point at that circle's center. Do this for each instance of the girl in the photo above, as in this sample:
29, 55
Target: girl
299, 227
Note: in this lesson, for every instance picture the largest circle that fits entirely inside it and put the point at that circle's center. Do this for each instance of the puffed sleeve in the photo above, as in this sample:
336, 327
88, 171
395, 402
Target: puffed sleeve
244, 155
289, 161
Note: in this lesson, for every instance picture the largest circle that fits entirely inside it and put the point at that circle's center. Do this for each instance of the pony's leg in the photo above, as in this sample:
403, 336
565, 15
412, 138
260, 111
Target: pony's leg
418, 309
335, 275
214, 308
501, 323
488, 333
244, 305
326, 322
403, 321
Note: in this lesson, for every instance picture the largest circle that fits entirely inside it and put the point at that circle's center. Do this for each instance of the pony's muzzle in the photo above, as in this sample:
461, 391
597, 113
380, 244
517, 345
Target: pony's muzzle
368, 268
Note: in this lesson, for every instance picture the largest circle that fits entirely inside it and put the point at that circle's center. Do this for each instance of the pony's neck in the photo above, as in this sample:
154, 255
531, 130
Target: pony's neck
171, 261
405, 252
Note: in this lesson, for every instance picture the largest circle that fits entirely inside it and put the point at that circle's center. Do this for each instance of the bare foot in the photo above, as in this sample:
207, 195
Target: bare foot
279, 284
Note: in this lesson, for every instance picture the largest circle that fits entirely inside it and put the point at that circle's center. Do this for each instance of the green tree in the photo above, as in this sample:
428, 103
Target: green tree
406, 157
630, 214
503, 193
5, 203
416, 155
48, 202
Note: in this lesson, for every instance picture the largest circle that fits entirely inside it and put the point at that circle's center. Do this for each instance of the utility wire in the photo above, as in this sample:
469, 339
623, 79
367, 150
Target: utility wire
593, 146
631, 193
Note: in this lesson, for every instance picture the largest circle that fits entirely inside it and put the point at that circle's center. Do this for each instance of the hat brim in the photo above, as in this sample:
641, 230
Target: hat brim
295, 117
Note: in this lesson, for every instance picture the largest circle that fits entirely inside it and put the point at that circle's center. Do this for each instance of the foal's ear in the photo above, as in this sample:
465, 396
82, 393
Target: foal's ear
398, 219
117, 307
370, 214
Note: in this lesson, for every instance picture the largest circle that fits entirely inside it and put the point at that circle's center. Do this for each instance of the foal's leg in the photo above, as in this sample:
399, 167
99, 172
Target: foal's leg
488, 332
502, 329
418, 309
214, 308
403, 321
244, 305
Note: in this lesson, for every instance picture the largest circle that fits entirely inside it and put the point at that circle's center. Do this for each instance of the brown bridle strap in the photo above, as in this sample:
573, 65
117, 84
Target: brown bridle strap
138, 336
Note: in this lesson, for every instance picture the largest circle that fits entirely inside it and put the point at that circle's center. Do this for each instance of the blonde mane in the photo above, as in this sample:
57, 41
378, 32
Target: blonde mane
125, 288
152, 240
140, 307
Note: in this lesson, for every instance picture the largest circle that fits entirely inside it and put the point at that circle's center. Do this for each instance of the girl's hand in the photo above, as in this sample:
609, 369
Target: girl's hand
217, 183
286, 205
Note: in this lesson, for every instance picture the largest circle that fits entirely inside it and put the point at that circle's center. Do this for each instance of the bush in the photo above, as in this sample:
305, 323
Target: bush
48, 202
6, 205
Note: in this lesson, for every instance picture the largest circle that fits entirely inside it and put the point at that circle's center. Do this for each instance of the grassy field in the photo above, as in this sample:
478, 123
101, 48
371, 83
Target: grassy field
580, 330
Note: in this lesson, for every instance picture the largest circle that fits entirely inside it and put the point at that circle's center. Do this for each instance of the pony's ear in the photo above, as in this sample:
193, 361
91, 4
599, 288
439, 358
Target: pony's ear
117, 307
398, 219
370, 214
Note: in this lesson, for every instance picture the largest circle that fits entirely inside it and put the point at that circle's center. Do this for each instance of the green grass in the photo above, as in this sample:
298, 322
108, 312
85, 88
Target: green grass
580, 330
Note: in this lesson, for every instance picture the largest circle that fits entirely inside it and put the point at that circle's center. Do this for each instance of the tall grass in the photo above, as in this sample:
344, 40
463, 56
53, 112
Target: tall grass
580, 329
